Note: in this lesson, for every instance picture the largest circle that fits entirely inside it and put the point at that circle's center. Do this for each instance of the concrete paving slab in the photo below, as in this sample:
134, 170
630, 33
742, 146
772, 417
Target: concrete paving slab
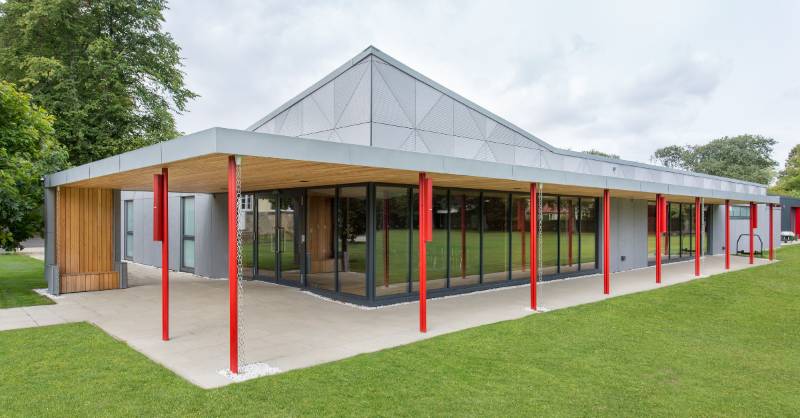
288, 328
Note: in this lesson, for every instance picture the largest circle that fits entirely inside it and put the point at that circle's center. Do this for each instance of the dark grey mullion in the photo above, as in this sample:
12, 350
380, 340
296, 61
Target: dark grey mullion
558, 234
336, 239
370, 267
480, 236
448, 222
410, 215
509, 232
580, 246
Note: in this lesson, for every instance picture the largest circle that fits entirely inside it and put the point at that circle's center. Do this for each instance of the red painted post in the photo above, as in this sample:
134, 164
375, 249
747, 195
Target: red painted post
423, 210
534, 221
233, 268
659, 220
164, 254
727, 234
606, 233
697, 236
771, 235
753, 222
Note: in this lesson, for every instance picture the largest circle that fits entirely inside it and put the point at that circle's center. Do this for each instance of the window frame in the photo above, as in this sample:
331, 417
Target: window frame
128, 217
184, 237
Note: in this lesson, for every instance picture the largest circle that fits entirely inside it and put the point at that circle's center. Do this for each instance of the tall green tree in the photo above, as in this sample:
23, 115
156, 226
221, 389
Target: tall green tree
789, 178
601, 154
104, 68
28, 150
743, 157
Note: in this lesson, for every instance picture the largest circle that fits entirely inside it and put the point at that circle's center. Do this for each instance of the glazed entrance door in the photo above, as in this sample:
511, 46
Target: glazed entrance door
280, 236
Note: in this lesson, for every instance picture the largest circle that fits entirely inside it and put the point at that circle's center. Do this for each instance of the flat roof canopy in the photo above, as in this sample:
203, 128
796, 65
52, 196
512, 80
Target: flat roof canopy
197, 164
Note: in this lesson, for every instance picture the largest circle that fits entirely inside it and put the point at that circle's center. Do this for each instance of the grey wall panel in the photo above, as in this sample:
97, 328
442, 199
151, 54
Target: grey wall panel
218, 266
388, 136
741, 227
628, 238
717, 239
355, 134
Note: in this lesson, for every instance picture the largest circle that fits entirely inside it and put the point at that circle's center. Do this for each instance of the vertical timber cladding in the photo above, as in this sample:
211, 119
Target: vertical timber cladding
84, 235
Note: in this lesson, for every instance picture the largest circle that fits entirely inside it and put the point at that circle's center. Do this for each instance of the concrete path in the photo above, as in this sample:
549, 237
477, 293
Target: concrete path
288, 328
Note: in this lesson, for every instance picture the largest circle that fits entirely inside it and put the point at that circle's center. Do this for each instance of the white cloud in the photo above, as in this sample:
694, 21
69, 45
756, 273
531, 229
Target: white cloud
619, 77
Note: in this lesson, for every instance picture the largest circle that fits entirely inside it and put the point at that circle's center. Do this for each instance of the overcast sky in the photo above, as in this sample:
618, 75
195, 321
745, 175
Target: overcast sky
623, 77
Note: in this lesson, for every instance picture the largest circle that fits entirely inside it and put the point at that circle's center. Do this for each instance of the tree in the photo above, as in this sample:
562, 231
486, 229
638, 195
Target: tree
789, 179
28, 150
103, 68
743, 157
601, 154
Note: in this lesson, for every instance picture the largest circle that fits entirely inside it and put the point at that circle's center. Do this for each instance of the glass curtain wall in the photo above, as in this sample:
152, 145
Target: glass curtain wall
248, 230
392, 240
588, 233
352, 240
465, 238
321, 245
495, 237
436, 251
520, 236
651, 232
568, 234
549, 234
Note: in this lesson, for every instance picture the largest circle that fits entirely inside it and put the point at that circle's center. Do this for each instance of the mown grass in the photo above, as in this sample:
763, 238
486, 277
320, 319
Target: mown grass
728, 345
19, 275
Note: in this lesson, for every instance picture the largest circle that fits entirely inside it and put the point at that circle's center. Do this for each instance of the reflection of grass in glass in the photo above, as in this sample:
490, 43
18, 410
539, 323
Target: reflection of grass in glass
495, 254
675, 245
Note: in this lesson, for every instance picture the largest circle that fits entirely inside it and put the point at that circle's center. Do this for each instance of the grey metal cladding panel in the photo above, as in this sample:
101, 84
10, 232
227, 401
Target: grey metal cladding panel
105, 166
624, 184
356, 134
142, 157
434, 110
500, 133
381, 157
322, 135
392, 104
293, 122
527, 157
437, 143
78, 173
466, 147
479, 169
345, 85
203, 142
357, 109
388, 136
650, 187
266, 145
485, 153
318, 110
268, 127
502, 153
464, 124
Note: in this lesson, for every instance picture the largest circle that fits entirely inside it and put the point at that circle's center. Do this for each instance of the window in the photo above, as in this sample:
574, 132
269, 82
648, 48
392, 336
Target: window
588, 233
352, 231
436, 267
740, 212
187, 233
129, 229
465, 238
520, 236
392, 240
495, 237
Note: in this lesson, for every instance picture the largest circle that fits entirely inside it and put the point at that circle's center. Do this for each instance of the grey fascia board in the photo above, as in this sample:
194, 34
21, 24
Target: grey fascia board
189, 146
248, 143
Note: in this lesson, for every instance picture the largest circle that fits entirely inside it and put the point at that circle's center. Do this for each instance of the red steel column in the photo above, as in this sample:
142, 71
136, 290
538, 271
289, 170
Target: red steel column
771, 235
659, 219
233, 271
727, 234
752, 226
534, 244
697, 236
606, 233
423, 254
164, 255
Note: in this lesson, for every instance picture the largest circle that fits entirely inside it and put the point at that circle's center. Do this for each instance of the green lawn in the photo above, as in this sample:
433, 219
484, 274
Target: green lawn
722, 346
18, 275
